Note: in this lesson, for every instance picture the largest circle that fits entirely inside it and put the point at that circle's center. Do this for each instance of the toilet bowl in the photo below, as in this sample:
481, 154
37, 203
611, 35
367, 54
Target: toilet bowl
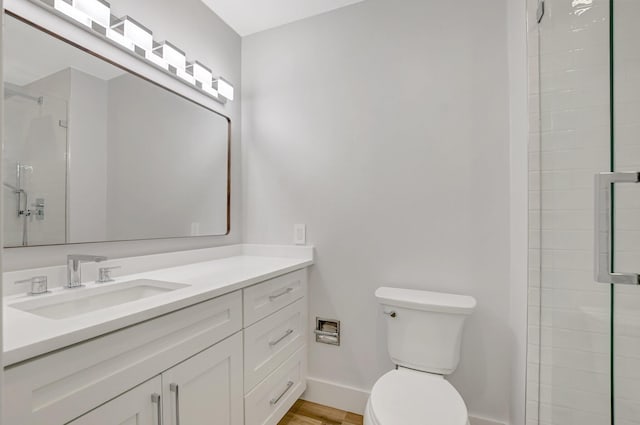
424, 337
408, 397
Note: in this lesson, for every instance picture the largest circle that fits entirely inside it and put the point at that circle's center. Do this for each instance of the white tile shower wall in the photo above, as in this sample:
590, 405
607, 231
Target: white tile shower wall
569, 340
194, 27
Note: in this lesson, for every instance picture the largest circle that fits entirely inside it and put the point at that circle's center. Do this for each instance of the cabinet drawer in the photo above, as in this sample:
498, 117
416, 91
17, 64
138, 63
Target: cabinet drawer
268, 297
272, 398
272, 340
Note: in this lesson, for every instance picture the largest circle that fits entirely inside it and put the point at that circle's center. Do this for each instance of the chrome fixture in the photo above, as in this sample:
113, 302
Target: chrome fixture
327, 331
22, 201
275, 400
74, 278
104, 274
281, 338
157, 400
603, 219
175, 388
287, 291
39, 209
38, 285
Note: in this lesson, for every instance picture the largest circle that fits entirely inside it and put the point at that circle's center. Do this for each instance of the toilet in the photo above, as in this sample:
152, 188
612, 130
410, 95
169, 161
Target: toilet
424, 335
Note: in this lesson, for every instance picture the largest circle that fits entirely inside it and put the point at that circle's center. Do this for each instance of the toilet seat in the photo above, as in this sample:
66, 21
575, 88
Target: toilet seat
408, 397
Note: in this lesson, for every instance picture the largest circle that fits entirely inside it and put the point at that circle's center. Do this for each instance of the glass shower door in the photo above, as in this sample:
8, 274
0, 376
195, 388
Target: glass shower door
584, 362
34, 167
625, 242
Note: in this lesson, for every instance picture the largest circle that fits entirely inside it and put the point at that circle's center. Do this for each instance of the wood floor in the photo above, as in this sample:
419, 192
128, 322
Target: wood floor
307, 413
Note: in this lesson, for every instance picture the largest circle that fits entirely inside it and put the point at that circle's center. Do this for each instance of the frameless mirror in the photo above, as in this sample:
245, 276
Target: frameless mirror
93, 152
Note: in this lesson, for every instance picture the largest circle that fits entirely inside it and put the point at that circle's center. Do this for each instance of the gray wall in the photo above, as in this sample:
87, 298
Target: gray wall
384, 127
191, 25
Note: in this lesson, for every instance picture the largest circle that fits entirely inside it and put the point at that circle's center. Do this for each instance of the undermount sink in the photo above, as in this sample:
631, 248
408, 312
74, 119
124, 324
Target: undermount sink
80, 301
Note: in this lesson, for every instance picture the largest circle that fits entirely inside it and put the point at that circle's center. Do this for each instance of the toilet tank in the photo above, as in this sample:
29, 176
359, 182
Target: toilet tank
424, 329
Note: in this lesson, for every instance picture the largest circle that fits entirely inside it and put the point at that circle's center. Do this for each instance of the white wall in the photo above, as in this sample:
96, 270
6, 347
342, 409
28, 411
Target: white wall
192, 26
384, 127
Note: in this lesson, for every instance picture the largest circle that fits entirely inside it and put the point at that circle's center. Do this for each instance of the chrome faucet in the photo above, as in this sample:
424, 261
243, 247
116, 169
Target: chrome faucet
74, 279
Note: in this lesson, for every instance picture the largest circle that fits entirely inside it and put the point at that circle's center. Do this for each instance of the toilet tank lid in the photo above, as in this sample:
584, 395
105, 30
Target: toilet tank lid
426, 300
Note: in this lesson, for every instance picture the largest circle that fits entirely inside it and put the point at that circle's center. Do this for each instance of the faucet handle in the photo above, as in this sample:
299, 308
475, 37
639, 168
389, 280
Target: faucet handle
104, 274
39, 285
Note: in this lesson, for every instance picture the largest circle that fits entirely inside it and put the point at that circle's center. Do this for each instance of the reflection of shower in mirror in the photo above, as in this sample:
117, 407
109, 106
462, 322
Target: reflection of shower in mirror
11, 90
22, 200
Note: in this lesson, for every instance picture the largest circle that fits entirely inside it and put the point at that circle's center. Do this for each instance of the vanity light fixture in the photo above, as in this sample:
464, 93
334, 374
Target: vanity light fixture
95, 16
201, 73
224, 87
175, 57
99, 11
211, 91
155, 58
185, 75
120, 39
67, 8
138, 34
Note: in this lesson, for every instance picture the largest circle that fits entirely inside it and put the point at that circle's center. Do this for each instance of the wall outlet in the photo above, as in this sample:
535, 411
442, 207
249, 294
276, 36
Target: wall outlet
300, 234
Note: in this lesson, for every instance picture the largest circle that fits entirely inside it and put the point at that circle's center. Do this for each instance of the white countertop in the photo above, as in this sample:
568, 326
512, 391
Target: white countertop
27, 335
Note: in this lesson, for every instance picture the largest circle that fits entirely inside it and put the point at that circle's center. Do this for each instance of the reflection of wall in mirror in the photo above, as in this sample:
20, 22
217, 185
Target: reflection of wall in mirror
158, 140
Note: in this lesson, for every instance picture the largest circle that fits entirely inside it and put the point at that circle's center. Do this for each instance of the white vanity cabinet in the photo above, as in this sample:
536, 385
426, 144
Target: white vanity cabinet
238, 359
139, 406
204, 389
207, 388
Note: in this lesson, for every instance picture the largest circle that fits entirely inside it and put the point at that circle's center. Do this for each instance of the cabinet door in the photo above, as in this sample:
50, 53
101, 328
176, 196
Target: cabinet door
139, 406
207, 388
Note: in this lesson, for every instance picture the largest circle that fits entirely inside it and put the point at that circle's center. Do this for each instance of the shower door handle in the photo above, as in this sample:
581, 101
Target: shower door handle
603, 228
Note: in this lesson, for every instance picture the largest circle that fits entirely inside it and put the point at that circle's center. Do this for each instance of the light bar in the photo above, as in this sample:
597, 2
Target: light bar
201, 73
120, 39
140, 36
171, 54
98, 10
224, 87
66, 7
131, 35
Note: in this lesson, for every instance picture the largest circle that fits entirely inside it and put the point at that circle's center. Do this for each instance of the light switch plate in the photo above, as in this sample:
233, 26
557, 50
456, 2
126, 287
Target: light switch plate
300, 234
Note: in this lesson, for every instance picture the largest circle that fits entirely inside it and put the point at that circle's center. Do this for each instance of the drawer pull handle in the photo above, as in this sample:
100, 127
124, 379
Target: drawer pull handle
275, 401
174, 388
281, 294
155, 399
277, 341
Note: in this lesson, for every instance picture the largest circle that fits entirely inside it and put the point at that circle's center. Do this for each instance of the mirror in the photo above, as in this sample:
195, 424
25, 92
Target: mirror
93, 152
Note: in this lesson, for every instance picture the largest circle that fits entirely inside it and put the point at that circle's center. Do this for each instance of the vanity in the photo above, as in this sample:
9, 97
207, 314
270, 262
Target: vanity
218, 341
210, 336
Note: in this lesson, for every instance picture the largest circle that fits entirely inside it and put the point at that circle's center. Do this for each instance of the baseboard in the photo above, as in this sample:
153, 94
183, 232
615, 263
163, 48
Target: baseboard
481, 421
336, 395
352, 399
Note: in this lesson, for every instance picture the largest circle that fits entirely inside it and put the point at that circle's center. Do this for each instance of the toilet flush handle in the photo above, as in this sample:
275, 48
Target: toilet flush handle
391, 314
